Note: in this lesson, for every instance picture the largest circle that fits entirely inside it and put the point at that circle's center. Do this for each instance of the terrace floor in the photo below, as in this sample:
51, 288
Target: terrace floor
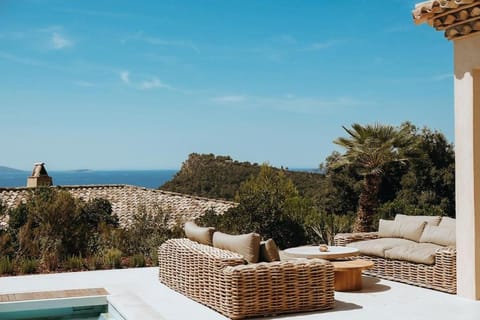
137, 294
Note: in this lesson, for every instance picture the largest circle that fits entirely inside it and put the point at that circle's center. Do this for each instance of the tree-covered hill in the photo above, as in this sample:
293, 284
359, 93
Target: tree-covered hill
220, 177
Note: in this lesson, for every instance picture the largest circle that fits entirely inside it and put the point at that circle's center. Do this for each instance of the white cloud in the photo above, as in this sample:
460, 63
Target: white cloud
59, 41
229, 99
140, 36
153, 84
125, 77
290, 102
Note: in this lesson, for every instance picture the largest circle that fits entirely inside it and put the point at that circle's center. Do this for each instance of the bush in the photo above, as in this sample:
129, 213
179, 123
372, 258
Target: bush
147, 231
137, 261
6, 265
270, 205
28, 266
74, 263
113, 258
94, 262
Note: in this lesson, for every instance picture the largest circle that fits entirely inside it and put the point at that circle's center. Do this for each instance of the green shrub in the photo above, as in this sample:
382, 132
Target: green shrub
147, 231
74, 263
113, 258
137, 261
94, 262
28, 266
6, 265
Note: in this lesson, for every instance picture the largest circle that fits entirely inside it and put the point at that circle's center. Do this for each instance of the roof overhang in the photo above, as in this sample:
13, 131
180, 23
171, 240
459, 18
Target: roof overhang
457, 18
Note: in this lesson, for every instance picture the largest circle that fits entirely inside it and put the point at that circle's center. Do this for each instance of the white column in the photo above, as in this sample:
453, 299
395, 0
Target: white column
467, 163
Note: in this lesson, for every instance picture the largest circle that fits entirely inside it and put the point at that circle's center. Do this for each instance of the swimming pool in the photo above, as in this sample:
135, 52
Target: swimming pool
79, 308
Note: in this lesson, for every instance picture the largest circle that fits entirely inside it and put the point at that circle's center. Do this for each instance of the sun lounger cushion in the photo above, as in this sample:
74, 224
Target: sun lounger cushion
418, 252
248, 245
377, 247
269, 251
201, 235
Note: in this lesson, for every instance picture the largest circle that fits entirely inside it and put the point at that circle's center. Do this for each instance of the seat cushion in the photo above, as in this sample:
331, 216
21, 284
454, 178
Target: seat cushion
201, 235
377, 247
248, 245
418, 253
407, 229
269, 251
440, 235
430, 220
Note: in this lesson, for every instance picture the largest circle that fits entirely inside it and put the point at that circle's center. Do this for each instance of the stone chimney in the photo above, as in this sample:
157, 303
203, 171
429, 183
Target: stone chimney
39, 177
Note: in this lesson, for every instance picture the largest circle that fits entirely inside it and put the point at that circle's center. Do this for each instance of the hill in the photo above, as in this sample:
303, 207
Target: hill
208, 175
4, 169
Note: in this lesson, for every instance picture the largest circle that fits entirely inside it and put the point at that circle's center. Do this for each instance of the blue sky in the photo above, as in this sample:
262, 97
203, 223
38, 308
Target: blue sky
141, 84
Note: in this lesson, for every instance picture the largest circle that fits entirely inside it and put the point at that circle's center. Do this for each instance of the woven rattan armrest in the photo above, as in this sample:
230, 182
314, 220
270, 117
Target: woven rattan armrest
342, 239
278, 287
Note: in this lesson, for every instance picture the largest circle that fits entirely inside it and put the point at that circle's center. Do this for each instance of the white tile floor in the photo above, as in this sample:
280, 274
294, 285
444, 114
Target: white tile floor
137, 294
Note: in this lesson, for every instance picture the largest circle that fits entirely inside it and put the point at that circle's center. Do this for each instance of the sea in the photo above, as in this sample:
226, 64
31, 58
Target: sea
142, 178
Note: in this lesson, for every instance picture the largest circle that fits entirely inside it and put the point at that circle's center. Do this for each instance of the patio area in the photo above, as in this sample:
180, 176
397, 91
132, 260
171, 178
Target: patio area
137, 294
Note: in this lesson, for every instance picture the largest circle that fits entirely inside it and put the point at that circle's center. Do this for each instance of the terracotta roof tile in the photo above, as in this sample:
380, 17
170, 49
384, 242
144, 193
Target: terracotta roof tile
127, 200
458, 18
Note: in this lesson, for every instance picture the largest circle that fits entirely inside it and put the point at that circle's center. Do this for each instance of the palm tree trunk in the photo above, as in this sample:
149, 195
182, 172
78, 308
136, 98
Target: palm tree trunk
367, 203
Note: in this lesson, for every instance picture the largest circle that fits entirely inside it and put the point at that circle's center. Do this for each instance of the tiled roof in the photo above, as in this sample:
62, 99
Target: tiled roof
458, 18
127, 200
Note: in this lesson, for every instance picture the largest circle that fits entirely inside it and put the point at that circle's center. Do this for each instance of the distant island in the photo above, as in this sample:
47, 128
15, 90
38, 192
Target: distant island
82, 170
4, 169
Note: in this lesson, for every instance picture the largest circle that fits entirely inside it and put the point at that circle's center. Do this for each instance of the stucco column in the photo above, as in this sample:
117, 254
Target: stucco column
467, 162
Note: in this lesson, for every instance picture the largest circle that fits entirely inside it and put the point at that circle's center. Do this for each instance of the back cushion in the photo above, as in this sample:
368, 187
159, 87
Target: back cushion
201, 235
430, 220
411, 230
269, 251
441, 235
447, 222
248, 245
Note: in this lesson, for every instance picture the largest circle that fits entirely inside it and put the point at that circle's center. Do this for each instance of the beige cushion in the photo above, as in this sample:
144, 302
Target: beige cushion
411, 230
418, 253
430, 220
377, 247
447, 222
248, 245
444, 236
269, 251
201, 235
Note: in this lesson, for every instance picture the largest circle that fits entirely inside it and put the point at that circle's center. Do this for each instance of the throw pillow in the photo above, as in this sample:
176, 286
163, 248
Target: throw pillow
201, 235
444, 236
269, 251
411, 230
248, 245
447, 222
430, 220
387, 229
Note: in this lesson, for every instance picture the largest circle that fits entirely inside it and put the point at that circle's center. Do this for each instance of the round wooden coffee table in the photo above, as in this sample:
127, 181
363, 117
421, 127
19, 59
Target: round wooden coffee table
310, 252
348, 274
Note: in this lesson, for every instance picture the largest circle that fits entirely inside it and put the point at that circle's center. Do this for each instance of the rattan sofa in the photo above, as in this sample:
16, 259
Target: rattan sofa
441, 275
221, 280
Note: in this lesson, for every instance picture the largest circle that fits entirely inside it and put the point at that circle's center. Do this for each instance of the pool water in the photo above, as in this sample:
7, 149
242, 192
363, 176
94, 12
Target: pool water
83, 313
86, 308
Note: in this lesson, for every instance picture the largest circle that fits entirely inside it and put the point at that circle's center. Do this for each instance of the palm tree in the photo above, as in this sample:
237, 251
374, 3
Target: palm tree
370, 148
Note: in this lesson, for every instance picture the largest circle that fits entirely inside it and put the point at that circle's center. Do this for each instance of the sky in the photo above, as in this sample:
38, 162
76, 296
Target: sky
112, 84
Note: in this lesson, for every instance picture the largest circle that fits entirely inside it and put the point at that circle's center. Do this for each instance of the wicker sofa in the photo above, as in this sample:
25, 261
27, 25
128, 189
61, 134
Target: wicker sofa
426, 261
221, 280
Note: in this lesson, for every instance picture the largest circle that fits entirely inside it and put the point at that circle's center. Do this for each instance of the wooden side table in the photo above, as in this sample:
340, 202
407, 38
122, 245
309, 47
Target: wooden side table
348, 274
